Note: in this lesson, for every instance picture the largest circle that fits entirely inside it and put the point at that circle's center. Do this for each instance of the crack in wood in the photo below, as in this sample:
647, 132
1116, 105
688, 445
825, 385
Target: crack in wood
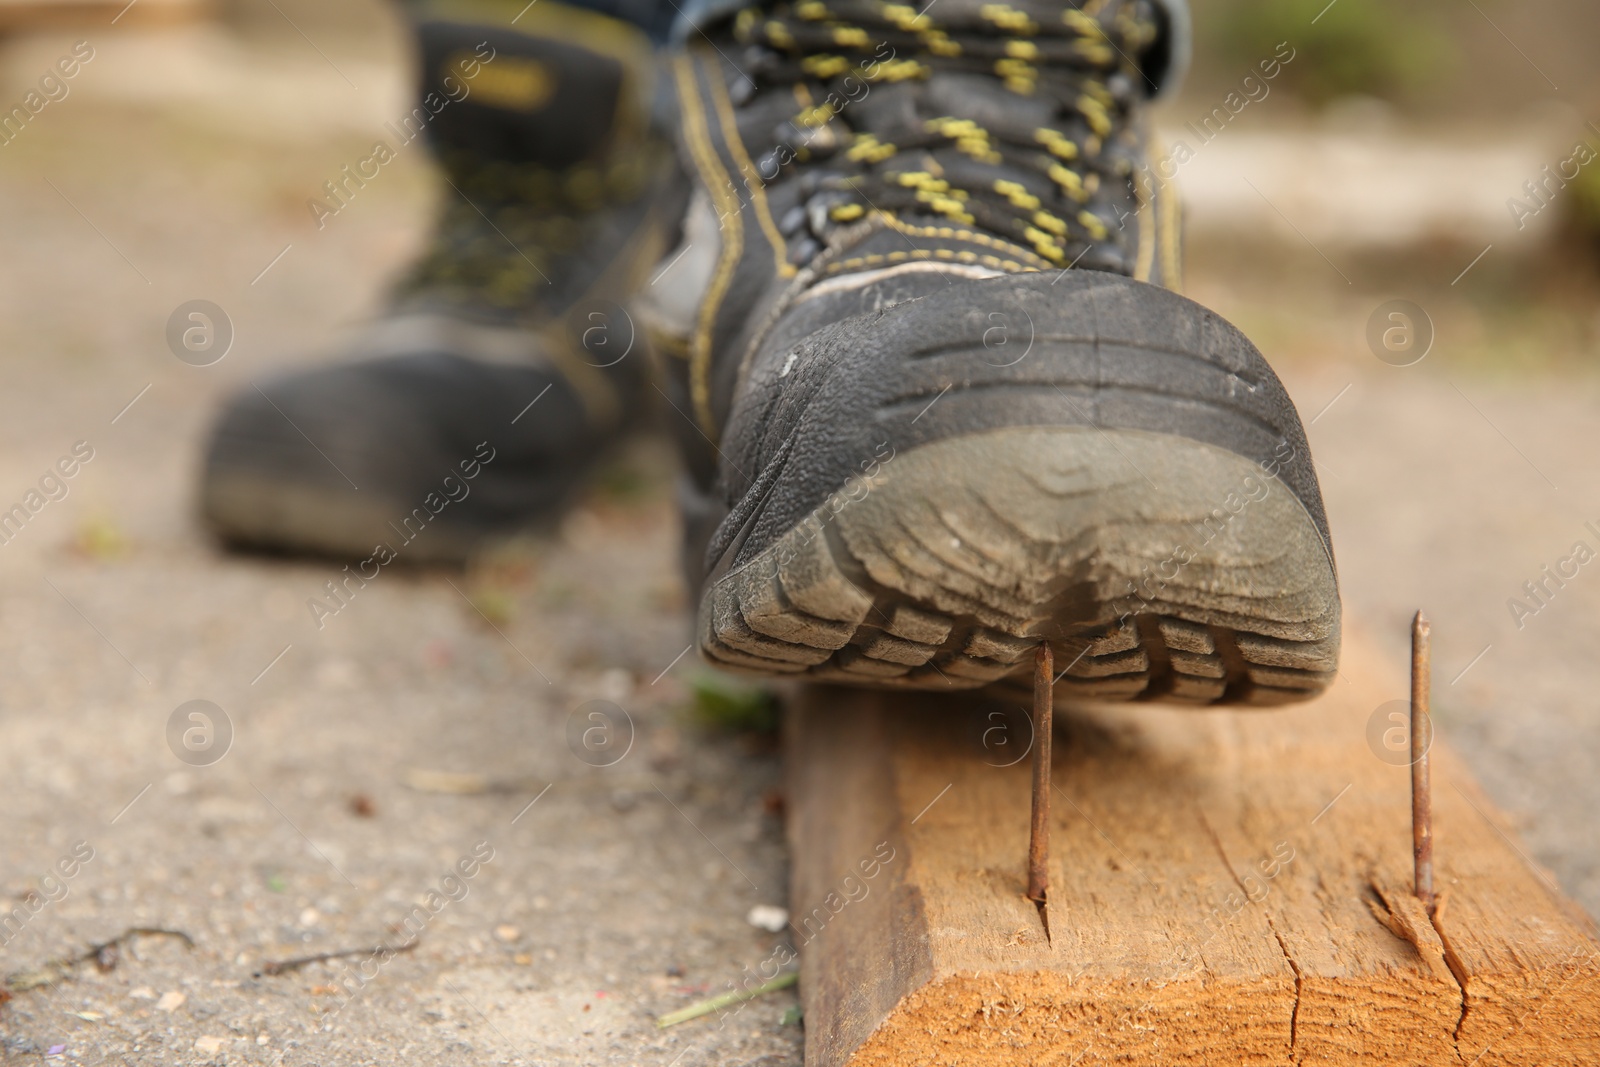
1299, 980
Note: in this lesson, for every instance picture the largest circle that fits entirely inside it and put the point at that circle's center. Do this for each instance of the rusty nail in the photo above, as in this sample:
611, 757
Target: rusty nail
1039, 837
1421, 780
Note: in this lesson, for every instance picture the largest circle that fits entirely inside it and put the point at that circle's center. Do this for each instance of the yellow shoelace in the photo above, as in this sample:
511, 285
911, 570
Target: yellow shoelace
1046, 185
503, 226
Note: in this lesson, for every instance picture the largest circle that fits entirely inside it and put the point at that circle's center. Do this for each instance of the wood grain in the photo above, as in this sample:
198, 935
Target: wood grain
1226, 888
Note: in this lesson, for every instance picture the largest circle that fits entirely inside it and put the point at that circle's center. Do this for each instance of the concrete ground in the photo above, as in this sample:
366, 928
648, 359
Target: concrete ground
621, 894
622, 891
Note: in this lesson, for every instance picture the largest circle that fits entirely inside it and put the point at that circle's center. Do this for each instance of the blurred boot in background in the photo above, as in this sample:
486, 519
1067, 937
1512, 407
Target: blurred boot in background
505, 360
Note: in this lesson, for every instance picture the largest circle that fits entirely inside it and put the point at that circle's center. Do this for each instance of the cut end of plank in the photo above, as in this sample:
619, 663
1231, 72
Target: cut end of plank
1045, 1016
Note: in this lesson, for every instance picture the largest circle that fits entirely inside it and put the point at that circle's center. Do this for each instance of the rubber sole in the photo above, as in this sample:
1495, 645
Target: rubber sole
281, 516
1159, 567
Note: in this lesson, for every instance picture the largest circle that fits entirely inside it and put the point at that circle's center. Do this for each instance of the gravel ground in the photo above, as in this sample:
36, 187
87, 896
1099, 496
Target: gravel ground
621, 894
622, 891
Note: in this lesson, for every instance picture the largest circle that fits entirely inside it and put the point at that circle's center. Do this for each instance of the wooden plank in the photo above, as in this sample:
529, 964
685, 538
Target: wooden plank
1226, 887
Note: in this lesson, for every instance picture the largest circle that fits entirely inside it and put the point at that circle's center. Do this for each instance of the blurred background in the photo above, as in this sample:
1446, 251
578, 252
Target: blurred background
1385, 161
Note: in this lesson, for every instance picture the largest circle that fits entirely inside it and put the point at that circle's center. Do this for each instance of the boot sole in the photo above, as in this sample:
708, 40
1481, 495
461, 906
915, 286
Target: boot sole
1159, 568
263, 513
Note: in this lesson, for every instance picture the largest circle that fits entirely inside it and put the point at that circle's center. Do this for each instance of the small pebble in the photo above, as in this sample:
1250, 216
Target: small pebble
506, 932
171, 1000
615, 684
768, 917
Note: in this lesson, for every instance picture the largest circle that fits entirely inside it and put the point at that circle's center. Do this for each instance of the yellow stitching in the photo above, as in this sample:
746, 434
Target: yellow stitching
1168, 216
1147, 243
720, 186
1167, 209
666, 344
963, 235
878, 259
752, 180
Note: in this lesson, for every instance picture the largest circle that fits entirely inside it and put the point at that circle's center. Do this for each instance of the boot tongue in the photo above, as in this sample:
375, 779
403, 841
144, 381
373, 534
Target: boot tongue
547, 154
1000, 134
495, 93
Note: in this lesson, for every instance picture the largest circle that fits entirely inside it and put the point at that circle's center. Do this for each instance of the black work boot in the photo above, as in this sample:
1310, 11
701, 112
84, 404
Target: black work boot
506, 362
945, 408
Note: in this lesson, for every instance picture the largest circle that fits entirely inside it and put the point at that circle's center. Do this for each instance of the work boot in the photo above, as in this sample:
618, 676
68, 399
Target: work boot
940, 402
505, 362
